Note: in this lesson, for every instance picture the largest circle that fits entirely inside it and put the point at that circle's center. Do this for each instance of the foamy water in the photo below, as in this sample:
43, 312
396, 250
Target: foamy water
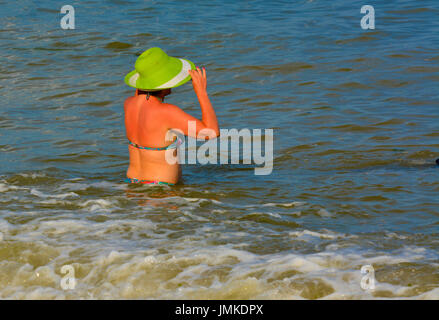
135, 244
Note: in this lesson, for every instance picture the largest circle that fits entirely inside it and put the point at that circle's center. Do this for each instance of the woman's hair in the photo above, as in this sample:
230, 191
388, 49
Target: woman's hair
150, 93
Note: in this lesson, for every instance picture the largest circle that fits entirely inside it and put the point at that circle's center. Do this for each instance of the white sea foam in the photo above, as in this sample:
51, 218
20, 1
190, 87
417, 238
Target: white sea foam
139, 254
151, 260
64, 226
394, 235
192, 199
6, 187
40, 194
430, 295
322, 235
208, 272
98, 204
276, 215
219, 211
193, 216
271, 214
33, 175
286, 205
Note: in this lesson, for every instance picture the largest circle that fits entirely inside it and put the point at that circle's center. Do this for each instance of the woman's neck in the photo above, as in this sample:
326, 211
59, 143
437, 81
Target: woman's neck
160, 99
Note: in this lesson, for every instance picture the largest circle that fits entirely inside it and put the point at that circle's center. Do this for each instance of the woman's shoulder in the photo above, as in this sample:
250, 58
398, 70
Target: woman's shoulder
128, 102
169, 107
129, 99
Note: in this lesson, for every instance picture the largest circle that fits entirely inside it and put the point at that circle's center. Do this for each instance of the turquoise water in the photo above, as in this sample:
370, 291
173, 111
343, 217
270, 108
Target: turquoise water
355, 115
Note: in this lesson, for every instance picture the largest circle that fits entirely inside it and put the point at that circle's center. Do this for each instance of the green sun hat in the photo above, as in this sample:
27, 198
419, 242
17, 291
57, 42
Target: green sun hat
155, 70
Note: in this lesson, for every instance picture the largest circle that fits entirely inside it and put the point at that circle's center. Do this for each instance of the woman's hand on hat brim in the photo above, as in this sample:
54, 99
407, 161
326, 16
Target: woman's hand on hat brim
199, 79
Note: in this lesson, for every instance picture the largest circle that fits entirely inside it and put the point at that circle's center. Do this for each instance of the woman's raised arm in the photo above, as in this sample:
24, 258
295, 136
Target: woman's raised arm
178, 119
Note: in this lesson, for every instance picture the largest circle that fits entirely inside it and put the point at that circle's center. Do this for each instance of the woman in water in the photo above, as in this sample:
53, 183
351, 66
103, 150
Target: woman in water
148, 119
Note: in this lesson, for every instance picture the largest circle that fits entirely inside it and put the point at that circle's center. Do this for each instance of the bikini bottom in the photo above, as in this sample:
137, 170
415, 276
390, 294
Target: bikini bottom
134, 180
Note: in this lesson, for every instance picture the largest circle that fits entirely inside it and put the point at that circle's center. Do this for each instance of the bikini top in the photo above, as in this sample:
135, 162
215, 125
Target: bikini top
174, 145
